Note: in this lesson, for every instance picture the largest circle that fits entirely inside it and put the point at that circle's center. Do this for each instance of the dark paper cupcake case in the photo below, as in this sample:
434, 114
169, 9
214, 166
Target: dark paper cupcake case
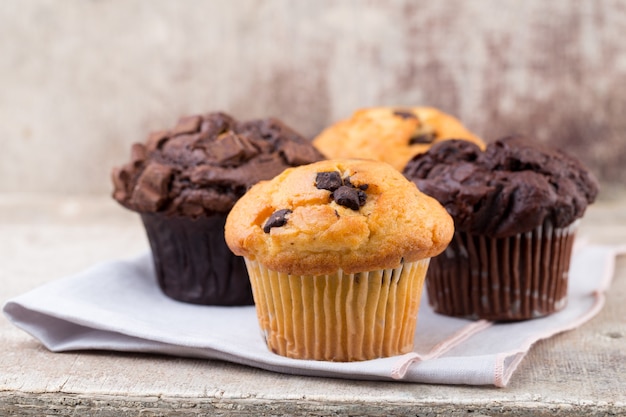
502, 279
193, 263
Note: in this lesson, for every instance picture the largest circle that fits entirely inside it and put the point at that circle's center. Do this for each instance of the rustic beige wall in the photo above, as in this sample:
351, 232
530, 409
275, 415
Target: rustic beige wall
81, 80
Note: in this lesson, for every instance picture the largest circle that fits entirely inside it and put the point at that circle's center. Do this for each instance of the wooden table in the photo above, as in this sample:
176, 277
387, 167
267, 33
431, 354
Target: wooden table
578, 373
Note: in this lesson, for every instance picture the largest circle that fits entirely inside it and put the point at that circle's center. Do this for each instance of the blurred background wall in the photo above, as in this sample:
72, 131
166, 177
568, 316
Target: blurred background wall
80, 80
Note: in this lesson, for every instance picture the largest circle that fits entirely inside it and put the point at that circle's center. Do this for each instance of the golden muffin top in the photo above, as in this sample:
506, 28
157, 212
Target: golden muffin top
353, 215
390, 134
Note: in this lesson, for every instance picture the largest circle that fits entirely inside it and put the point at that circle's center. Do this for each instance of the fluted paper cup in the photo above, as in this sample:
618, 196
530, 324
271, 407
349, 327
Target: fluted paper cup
338, 317
193, 263
502, 279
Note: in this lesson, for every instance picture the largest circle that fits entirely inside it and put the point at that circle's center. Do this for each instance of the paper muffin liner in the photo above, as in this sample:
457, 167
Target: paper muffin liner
339, 317
193, 263
502, 279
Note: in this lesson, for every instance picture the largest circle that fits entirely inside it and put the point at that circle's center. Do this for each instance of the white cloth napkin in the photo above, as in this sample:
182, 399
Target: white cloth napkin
118, 306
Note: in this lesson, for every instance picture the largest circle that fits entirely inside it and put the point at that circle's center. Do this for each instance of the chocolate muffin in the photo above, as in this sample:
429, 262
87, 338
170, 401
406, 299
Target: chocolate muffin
515, 208
184, 181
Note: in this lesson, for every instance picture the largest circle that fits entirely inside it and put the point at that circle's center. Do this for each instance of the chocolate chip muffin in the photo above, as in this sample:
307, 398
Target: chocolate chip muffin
390, 134
516, 208
337, 252
184, 181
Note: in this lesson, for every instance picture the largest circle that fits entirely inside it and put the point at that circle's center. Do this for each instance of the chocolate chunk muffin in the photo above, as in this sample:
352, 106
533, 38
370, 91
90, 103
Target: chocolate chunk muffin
515, 208
337, 253
390, 134
184, 181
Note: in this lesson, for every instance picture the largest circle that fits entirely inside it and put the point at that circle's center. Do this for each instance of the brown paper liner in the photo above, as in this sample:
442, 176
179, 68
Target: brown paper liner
502, 279
339, 317
193, 263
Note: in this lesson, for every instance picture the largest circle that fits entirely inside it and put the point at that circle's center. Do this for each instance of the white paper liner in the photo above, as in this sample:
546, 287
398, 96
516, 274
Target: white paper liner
339, 317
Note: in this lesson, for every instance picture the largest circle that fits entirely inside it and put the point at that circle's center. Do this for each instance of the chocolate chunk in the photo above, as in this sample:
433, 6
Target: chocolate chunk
296, 153
215, 124
248, 147
225, 148
151, 187
277, 219
363, 187
138, 154
422, 138
349, 197
181, 150
405, 114
156, 140
120, 178
230, 149
275, 130
190, 124
214, 159
330, 180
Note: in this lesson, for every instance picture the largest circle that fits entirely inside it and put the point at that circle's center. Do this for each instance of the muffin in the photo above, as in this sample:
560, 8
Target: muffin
516, 208
389, 134
184, 181
337, 252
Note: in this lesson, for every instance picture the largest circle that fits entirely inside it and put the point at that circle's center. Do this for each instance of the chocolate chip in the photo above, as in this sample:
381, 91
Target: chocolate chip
405, 114
422, 138
277, 219
342, 190
347, 181
328, 180
362, 198
348, 197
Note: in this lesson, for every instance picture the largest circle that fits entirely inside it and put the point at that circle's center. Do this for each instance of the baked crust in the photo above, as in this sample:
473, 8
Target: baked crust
396, 221
391, 134
206, 162
514, 186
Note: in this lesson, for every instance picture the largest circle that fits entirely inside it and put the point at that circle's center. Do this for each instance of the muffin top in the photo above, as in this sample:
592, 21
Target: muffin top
512, 187
353, 215
206, 163
390, 134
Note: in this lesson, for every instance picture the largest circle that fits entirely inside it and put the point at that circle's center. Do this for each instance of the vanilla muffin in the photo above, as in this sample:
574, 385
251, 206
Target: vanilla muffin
390, 134
337, 252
